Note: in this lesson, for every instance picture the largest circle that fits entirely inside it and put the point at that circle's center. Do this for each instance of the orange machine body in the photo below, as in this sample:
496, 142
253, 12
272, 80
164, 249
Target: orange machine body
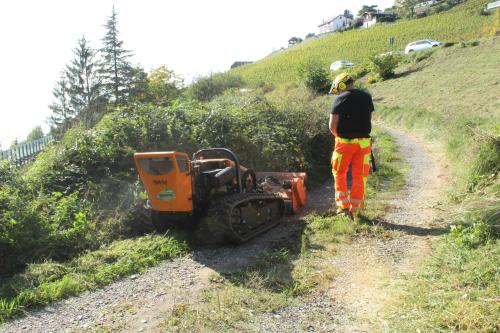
167, 179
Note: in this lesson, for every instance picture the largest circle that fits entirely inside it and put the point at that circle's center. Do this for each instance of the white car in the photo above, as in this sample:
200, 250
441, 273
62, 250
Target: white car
421, 45
335, 66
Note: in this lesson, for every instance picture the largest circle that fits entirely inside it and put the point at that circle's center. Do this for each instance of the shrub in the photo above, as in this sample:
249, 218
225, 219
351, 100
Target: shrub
315, 76
206, 88
384, 65
360, 70
279, 133
83, 192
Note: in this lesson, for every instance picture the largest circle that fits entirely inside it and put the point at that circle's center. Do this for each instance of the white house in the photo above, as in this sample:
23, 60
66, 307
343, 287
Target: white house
370, 18
338, 23
426, 3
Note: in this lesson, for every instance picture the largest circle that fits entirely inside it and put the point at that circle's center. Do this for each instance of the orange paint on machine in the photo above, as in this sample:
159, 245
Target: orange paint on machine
166, 177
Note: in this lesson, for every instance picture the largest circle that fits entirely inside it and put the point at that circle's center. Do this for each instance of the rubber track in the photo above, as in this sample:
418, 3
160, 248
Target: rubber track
218, 217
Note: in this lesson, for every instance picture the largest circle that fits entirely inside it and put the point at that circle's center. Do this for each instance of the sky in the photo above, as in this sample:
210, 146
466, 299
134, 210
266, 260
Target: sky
191, 37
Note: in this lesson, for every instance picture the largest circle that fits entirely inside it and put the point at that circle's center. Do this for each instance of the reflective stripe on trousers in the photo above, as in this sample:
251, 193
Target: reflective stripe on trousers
357, 153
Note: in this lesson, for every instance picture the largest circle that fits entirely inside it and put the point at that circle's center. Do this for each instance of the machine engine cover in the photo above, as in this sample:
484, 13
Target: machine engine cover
166, 177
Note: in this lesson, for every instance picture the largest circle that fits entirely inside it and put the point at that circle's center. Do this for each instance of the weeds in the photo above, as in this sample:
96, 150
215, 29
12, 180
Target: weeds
8, 309
50, 281
456, 290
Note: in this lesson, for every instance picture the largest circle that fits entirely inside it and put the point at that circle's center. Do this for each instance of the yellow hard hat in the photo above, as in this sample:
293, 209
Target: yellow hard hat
340, 83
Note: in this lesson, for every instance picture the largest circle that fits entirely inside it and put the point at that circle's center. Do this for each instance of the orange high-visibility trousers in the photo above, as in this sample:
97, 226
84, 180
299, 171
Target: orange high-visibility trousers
357, 153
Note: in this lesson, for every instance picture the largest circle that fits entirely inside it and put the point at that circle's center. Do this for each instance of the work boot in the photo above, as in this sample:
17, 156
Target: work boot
344, 212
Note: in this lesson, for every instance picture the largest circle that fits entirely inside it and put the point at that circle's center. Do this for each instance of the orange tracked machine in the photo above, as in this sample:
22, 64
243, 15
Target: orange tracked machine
228, 202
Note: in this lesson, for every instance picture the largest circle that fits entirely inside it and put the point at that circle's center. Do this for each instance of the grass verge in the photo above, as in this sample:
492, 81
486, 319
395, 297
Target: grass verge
458, 288
294, 268
50, 281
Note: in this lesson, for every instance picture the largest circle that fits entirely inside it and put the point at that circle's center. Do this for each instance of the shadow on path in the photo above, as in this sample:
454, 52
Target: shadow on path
410, 229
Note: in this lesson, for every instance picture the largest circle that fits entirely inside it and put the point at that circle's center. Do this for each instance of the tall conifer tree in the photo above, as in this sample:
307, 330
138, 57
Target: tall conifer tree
116, 71
62, 113
84, 83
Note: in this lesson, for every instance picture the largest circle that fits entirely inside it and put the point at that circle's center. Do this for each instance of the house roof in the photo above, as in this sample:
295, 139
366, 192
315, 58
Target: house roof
378, 14
330, 20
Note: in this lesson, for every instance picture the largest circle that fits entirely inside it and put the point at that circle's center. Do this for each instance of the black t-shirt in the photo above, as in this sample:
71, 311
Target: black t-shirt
354, 108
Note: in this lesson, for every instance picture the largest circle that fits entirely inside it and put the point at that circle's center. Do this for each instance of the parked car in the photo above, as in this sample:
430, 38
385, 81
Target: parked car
421, 45
335, 66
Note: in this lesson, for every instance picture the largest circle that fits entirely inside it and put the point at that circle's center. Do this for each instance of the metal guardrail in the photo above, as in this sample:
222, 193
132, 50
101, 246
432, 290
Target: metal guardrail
25, 152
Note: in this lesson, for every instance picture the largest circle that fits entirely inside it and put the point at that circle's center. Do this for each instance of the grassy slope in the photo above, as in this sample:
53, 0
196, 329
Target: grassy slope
452, 98
455, 82
460, 23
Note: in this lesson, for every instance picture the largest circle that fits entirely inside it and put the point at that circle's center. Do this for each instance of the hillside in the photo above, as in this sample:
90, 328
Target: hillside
461, 23
457, 82
451, 97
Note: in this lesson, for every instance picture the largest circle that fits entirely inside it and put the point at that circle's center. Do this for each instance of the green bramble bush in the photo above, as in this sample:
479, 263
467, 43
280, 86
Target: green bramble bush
384, 65
315, 76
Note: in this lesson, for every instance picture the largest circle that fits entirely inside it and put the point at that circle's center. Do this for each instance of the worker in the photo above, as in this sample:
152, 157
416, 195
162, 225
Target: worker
350, 123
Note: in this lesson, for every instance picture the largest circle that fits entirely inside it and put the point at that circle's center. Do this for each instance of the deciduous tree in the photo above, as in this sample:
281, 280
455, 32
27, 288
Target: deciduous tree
348, 14
35, 134
163, 85
405, 8
367, 9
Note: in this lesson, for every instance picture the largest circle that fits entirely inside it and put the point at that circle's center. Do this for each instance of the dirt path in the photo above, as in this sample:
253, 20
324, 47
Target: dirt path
371, 266
367, 268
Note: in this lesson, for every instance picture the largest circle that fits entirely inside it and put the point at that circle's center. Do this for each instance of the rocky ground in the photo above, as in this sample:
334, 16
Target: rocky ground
367, 268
